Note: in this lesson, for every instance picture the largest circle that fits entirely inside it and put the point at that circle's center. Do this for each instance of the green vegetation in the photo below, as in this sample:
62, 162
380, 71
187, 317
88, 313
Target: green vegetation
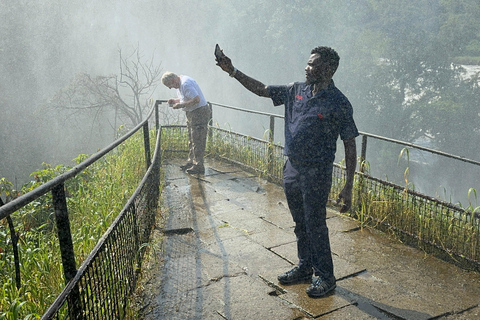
265, 158
98, 194
451, 232
418, 221
439, 228
467, 60
94, 199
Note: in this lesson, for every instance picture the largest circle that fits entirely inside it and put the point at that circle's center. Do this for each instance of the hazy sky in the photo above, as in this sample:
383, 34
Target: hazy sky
60, 39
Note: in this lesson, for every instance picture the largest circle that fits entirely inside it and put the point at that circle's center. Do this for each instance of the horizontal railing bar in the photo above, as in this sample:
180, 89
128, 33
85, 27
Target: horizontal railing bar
23, 200
248, 110
238, 109
62, 297
416, 193
250, 137
408, 144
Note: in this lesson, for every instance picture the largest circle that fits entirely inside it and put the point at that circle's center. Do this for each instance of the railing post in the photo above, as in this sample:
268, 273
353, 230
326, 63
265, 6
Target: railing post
157, 117
270, 143
363, 155
66, 247
16, 258
146, 141
210, 123
361, 180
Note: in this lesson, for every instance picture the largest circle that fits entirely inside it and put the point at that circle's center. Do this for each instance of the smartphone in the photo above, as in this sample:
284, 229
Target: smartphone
218, 52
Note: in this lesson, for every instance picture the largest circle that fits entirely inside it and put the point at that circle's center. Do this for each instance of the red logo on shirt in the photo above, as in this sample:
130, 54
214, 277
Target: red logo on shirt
320, 116
299, 97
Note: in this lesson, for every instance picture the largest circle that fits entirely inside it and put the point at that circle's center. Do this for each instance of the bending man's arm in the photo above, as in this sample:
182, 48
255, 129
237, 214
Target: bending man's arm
249, 83
350, 164
187, 103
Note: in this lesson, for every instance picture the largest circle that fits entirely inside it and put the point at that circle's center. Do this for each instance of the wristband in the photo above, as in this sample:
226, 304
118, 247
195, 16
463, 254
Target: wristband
233, 73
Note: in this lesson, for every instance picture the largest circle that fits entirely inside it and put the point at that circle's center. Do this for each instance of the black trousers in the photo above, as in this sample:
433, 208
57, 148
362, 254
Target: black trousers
306, 187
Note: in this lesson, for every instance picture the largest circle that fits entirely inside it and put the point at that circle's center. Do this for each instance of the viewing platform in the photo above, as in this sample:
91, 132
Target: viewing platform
223, 238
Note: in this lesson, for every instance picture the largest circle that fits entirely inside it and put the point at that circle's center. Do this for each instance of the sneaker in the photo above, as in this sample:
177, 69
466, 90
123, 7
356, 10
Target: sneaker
186, 166
321, 287
296, 275
196, 170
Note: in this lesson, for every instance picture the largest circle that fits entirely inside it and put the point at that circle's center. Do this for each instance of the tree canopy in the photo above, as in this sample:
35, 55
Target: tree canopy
400, 60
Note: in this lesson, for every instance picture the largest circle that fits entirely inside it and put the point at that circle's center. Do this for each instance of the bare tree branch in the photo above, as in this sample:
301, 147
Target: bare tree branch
127, 93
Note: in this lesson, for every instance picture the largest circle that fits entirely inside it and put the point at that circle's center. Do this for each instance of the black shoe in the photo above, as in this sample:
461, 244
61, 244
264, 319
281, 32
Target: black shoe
321, 287
196, 170
186, 166
296, 275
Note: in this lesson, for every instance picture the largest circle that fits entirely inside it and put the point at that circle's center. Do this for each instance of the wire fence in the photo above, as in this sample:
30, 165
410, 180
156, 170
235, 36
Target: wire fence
102, 285
99, 289
441, 228
436, 226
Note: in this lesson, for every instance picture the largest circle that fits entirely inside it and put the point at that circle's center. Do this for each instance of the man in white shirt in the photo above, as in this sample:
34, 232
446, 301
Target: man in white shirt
199, 113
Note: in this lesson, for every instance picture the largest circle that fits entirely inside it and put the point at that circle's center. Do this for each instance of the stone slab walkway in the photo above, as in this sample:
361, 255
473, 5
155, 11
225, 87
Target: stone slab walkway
226, 235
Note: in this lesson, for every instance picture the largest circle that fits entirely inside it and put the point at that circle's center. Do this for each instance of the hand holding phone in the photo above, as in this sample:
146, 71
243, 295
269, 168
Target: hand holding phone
223, 61
218, 53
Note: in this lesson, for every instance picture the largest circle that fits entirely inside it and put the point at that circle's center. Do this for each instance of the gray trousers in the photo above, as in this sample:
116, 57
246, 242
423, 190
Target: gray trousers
197, 126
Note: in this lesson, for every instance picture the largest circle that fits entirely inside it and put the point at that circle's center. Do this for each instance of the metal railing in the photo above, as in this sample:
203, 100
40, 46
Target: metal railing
100, 287
439, 227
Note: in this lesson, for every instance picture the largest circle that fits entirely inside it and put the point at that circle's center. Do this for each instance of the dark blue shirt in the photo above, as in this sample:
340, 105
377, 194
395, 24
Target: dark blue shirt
314, 123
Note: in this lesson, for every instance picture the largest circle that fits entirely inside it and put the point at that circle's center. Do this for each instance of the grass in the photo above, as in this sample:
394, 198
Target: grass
418, 220
446, 230
98, 194
262, 157
94, 199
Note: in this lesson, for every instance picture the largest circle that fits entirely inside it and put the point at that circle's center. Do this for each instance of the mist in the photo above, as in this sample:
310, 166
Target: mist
46, 43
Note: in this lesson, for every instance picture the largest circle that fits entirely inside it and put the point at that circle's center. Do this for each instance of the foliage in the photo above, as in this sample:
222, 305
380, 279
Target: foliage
460, 30
94, 199
254, 154
416, 40
399, 209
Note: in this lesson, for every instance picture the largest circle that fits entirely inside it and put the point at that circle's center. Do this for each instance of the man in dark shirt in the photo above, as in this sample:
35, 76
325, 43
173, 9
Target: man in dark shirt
316, 114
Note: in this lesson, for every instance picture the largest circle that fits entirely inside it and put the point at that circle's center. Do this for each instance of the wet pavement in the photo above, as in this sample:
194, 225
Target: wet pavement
226, 235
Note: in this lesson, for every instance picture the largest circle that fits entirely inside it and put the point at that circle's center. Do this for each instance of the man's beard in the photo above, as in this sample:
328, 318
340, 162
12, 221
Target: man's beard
311, 80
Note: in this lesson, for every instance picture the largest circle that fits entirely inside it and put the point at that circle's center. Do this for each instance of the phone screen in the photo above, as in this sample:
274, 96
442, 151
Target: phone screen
218, 51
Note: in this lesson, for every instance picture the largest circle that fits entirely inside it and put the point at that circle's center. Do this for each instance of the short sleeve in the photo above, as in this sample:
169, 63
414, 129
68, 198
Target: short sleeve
278, 94
348, 129
189, 91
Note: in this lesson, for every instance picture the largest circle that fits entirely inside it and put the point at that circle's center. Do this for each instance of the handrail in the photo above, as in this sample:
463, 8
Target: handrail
366, 134
249, 110
409, 144
56, 186
23, 200
82, 270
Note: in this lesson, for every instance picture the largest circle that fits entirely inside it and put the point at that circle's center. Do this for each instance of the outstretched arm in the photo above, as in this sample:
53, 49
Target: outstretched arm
350, 164
249, 83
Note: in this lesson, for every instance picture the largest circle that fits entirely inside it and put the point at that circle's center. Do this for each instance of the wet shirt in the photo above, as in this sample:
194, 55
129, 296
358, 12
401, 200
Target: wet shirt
188, 90
314, 123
